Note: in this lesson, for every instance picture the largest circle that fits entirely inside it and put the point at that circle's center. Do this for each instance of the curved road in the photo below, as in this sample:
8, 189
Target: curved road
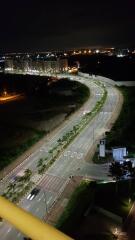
73, 159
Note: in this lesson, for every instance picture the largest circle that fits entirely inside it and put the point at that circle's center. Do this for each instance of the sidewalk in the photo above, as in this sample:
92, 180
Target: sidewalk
62, 201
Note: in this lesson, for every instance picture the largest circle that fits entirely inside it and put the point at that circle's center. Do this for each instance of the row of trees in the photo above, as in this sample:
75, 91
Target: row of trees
119, 170
19, 186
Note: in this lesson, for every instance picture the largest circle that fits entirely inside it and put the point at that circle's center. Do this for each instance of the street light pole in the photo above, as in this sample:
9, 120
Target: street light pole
93, 135
45, 203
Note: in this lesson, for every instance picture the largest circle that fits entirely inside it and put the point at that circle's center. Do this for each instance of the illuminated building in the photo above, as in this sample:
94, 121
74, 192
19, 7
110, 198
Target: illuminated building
2, 62
36, 65
9, 65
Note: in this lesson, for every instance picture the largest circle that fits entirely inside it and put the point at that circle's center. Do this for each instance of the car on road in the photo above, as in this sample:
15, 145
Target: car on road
33, 193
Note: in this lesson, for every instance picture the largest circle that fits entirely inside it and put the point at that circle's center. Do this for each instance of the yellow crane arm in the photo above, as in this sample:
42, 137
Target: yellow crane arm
28, 224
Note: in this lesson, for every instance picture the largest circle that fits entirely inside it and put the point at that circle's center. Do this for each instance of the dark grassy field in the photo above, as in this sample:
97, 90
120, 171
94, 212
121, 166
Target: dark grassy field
23, 122
77, 205
118, 69
77, 221
123, 131
114, 197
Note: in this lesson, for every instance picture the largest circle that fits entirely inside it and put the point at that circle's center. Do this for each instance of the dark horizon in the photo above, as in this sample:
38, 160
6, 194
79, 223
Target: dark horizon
39, 26
68, 49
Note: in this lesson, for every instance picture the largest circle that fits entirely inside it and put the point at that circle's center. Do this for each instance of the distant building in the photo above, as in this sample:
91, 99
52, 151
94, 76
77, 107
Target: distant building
119, 154
2, 65
36, 65
122, 52
9, 64
102, 148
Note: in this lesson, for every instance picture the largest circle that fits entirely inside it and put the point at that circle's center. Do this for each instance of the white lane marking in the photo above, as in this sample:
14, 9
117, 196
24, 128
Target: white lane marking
9, 230
31, 154
49, 200
19, 234
39, 199
27, 207
37, 210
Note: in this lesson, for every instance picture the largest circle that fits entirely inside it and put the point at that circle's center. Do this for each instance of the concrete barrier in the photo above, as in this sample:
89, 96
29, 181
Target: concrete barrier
126, 83
83, 74
108, 80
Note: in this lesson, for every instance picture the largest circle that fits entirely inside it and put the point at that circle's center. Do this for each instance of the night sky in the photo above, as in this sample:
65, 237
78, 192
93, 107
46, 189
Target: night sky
41, 25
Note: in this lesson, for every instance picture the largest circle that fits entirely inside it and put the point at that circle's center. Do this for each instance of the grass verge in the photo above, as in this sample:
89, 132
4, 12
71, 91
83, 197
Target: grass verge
124, 128
114, 197
81, 198
22, 136
9, 155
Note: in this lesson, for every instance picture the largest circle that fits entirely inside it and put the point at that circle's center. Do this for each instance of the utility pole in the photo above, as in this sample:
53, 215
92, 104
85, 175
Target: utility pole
45, 203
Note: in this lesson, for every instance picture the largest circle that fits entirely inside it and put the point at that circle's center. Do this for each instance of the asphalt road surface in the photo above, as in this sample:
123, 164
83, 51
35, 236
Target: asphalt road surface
72, 160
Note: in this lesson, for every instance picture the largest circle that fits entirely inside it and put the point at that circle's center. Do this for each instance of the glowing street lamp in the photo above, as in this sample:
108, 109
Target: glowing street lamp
5, 93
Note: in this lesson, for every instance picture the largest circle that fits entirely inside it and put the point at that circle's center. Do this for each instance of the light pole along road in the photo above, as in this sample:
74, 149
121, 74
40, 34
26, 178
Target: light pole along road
72, 161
